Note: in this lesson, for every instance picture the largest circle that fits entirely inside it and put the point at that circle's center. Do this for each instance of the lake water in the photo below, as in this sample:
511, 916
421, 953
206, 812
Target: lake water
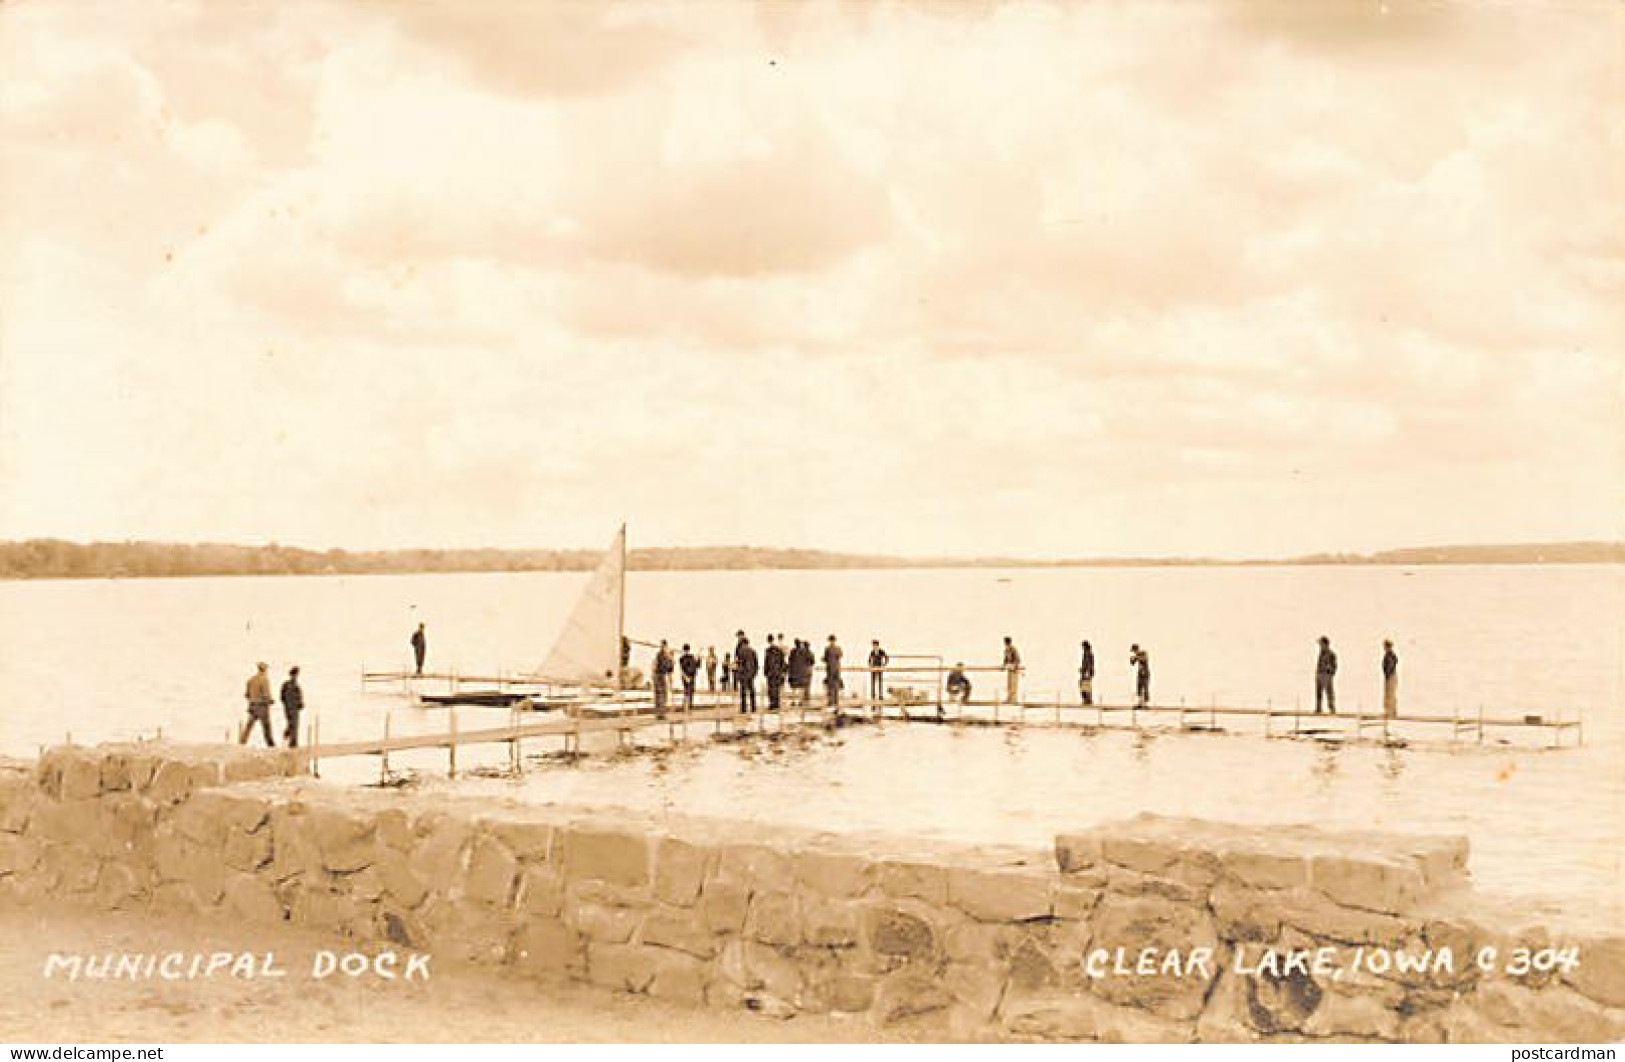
115, 659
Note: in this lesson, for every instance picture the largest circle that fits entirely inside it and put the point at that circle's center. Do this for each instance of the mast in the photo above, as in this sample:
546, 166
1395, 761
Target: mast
620, 613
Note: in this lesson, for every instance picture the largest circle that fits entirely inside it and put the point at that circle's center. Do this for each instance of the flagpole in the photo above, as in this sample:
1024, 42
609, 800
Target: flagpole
620, 618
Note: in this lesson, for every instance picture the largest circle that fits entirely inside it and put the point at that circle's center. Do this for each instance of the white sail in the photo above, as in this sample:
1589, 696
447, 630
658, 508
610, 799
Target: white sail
588, 649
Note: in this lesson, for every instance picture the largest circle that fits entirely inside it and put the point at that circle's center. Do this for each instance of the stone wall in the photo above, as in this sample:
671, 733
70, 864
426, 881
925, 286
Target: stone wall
960, 942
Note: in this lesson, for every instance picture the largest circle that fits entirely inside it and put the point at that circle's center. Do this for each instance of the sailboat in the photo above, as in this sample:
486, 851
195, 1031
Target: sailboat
584, 664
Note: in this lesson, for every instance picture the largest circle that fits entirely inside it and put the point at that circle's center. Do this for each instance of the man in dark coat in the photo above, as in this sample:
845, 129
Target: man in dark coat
801, 666
689, 665
1086, 675
293, 702
1140, 660
662, 669
774, 667
832, 672
745, 666
878, 659
420, 647
1325, 672
1390, 679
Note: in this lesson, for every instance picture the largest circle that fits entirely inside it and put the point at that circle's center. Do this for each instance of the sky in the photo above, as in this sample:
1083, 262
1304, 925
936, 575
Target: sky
1226, 279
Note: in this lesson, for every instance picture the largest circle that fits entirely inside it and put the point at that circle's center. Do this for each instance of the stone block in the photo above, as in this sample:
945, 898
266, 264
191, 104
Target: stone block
240, 811
548, 947
252, 900
178, 859
18, 797
126, 827
1312, 913
1031, 966
621, 967
1001, 896
492, 873
760, 866
346, 839
293, 846
467, 931
530, 842
1075, 852
199, 823
598, 922
678, 977
902, 880
1600, 976
972, 942
897, 933
975, 987
1362, 1015
330, 912
247, 851
833, 874
363, 886
1370, 883
842, 993
772, 971
607, 855
1258, 869
81, 773
1244, 914
541, 892
1075, 900
115, 772
18, 854
909, 994
439, 855
774, 918
1137, 925
395, 830
118, 887
399, 881
1122, 882
400, 927
830, 923
171, 782
679, 929
680, 870
74, 822
723, 905
1552, 1015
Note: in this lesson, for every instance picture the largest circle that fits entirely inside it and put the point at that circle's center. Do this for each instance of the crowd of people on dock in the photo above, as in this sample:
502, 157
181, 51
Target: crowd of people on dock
786, 664
794, 668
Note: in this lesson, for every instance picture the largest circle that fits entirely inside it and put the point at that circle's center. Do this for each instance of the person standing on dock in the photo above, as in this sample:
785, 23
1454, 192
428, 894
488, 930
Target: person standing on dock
832, 672
727, 671
1086, 675
1325, 673
689, 665
958, 687
420, 647
801, 668
745, 665
1390, 679
774, 667
1140, 660
878, 659
258, 695
710, 669
293, 702
1012, 670
662, 669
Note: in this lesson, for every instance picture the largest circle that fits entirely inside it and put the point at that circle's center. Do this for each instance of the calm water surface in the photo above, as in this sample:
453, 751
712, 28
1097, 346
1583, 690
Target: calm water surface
107, 660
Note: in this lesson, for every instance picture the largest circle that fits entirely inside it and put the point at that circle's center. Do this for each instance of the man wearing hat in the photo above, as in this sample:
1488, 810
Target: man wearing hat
293, 702
1325, 674
258, 695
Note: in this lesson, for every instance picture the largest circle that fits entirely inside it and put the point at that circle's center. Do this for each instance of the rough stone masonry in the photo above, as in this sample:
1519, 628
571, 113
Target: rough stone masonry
1300, 934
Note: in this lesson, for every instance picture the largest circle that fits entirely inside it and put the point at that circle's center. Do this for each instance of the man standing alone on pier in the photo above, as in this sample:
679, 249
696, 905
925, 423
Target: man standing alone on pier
420, 647
293, 702
1390, 679
878, 659
1086, 675
1012, 670
745, 674
1325, 672
258, 695
1140, 660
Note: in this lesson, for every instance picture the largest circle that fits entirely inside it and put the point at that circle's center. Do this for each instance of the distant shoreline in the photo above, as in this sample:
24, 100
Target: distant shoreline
57, 559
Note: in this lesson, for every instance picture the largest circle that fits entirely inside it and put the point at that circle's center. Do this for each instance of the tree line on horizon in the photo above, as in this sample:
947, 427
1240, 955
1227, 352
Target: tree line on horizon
49, 558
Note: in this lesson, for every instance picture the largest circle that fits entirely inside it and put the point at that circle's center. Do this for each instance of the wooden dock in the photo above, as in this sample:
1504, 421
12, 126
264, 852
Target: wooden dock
626, 719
